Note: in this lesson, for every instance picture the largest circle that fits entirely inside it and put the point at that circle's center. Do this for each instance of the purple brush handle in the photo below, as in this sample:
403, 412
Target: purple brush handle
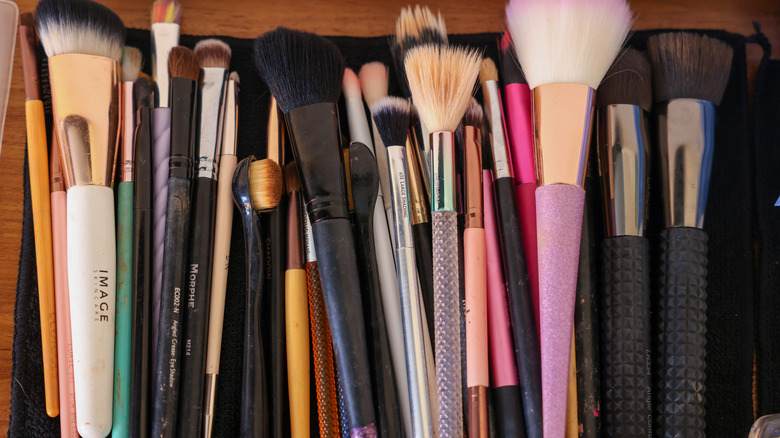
559, 209
161, 152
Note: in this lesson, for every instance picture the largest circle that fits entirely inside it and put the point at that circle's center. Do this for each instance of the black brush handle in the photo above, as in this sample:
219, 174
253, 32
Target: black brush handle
625, 319
423, 251
508, 407
682, 317
168, 366
196, 312
140, 353
521, 313
341, 290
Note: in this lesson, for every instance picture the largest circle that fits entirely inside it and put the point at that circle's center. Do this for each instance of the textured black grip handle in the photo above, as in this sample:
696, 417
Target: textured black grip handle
423, 252
625, 320
682, 330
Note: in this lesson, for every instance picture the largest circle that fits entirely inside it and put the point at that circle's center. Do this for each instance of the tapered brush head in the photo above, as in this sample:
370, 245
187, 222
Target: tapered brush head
474, 116
567, 41
182, 63
291, 179
212, 52
79, 26
300, 68
418, 27
628, 81
373, 79
487, 71
441, 79
687, 65
142, 93
131, 64
166, 11
391, 117
265, 184
351, 85
511, 73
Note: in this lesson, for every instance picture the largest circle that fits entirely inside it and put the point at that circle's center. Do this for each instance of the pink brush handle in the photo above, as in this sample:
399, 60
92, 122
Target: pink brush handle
161, 151
474, 271
517, 116
59, 219
526, 202
502, 357
559, 209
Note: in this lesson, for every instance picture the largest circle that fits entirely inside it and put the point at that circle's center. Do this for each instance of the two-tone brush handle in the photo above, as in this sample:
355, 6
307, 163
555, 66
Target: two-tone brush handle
682, 330
124, 309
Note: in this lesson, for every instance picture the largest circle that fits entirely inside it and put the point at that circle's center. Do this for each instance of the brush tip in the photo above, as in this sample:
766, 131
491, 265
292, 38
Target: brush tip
142, 93
265, 184
166, 11
291, 179
131, 63
212, 52
374, 81
27, 20
511, 73
351, 85
79, 26
234, 77
487, 71
628, 81
474, 115
391, 118
182, 63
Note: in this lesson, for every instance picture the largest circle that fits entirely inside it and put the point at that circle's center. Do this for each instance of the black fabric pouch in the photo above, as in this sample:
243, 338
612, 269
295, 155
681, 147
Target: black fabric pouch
729, 225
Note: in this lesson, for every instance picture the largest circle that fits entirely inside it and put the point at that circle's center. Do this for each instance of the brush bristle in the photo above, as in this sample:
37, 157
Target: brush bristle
79, 26
391, 117
300, 68
265, 184
182, 63
474, 115
628, 81
487, 71
292, 181
441, 79
212, 52
142, 93
351, 85
27, 20
571, 41
687, 65
131, 64
166, 11
511, 73
373, 79
419, 26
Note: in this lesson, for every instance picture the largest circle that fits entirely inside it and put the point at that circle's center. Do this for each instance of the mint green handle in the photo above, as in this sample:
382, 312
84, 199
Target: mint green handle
124, 309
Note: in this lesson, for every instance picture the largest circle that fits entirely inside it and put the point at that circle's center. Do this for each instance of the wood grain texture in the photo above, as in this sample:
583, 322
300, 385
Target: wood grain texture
247, 18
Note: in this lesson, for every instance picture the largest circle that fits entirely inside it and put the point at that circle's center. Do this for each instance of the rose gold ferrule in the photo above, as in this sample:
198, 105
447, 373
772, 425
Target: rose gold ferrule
276, 134
128, 130
473, 176
563, 116
29, 63
478, 416
417, 199
55, 165
85, 94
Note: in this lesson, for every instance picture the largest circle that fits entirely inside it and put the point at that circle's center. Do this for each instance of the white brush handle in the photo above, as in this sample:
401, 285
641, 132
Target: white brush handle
92, 284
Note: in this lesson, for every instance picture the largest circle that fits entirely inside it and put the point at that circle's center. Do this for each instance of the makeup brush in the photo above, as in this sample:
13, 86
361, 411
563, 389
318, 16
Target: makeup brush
391, 116
184, 68
140, 354
304, 73
37, 159
690, 74
624, 100
564, 49
441, 79
84, 41
222, 229
214, 59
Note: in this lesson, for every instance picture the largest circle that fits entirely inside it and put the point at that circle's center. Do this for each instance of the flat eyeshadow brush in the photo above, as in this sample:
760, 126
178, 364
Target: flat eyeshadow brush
564, 49
623, 104
37, 159
214, 59
184, 68
84, 42
304, 73
690, 74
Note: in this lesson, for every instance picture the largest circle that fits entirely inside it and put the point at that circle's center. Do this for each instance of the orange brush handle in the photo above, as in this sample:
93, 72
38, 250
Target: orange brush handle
297, 322
572, 419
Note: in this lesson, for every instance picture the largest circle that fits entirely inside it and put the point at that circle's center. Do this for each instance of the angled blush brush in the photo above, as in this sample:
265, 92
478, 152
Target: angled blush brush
84, 42
564, 49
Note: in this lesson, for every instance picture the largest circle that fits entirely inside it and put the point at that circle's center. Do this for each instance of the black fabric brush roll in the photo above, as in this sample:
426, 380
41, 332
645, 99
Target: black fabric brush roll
729, 225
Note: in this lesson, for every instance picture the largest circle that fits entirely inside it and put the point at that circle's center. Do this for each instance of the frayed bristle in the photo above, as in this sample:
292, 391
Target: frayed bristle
688, 65
131, 64
79, 26
511, 73
441, 79
212, 52
488, 71
182, 63
142, 93
628, 81
571, 41
265, 184
373, 79
292, 182
391, 117
166, 11
27, 20
300, 68
351, 85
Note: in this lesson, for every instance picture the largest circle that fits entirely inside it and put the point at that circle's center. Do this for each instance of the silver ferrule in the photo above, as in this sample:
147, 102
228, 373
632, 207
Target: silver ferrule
211, 105
624, 162
443, 171
359, 130
230, 124
128, 133
211, 398
686, 139
494, 115
308, 239
399, 194
165, 36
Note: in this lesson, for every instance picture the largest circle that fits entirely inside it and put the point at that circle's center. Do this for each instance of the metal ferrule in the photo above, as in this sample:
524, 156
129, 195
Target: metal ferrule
399, 194
128, 132
502, 159
443, 171
294, 247
86, 102
230, 124
308, 239
211, 398
473, 177
417, 198
165, 36
359, 130
624, 163
211, 105
55, 165
563, 116
686, 140
276, 134
423, 156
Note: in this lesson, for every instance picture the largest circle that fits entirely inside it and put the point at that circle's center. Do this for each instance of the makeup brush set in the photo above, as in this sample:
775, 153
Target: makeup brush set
435, 235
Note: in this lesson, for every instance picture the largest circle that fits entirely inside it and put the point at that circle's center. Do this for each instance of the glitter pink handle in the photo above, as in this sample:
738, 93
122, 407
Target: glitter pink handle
559, 209
161, 151
520, 132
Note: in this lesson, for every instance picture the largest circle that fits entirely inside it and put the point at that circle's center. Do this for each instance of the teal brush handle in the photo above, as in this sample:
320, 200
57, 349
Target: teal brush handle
124, 309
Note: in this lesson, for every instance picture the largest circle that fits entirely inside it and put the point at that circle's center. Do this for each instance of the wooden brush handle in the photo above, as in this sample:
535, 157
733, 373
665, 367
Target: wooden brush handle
297, 323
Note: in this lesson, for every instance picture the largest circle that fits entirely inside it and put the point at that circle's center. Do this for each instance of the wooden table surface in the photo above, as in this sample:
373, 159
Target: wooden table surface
247, 18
